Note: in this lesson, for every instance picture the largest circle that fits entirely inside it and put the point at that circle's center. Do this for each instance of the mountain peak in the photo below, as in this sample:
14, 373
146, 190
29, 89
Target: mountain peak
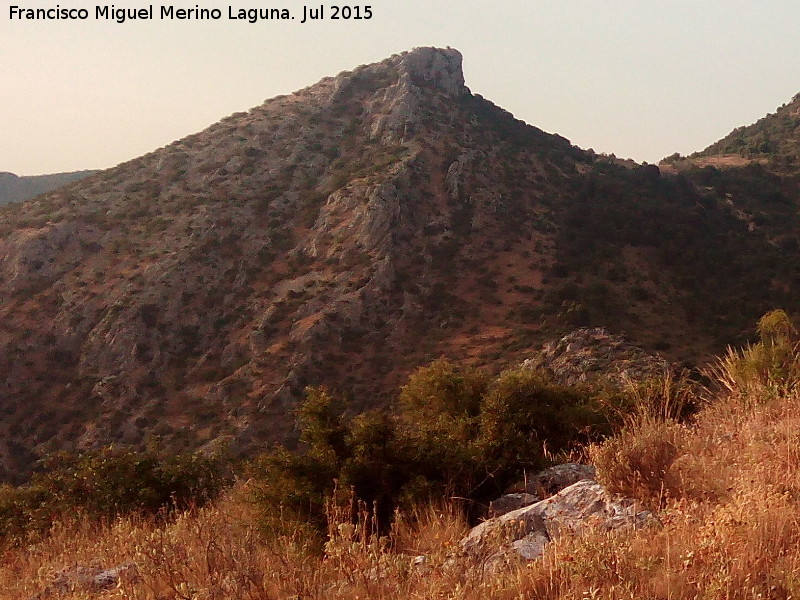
342, 236
439, 67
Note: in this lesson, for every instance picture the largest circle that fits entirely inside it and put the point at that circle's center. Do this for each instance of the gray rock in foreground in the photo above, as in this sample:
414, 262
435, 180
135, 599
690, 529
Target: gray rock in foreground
545, 483
526, 531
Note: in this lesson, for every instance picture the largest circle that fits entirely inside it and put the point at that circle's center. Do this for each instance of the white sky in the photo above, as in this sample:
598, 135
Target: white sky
639, 79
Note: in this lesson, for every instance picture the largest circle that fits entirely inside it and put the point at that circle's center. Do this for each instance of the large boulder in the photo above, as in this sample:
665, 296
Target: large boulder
542, 485
526, 531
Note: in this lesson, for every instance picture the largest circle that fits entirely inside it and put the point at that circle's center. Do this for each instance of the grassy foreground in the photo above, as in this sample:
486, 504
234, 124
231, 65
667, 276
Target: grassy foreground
726, 485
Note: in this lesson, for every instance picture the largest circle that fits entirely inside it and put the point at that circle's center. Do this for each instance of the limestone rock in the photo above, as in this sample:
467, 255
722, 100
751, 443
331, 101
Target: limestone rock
591, 354
438, 67
458, 174
531, 546
585, 504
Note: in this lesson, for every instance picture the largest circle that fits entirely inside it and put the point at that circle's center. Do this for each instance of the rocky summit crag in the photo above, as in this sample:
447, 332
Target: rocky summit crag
343, 235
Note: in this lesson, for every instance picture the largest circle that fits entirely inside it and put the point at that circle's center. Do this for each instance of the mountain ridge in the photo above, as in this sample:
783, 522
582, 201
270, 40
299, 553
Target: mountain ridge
772, 142
344, 235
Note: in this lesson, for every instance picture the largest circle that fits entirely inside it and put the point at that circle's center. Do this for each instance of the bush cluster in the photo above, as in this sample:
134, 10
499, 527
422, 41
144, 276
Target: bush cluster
455, 432
105, 484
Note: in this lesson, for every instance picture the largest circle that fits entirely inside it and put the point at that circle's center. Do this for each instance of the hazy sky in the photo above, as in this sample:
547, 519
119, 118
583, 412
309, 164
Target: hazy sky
639, 79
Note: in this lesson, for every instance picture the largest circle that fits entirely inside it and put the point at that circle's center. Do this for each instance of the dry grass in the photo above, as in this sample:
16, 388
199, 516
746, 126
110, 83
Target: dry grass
728, 485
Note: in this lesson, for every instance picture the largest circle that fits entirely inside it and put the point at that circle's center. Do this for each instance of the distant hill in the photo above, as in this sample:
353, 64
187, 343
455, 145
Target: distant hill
773, 141
15, 189
755, 170
344, 235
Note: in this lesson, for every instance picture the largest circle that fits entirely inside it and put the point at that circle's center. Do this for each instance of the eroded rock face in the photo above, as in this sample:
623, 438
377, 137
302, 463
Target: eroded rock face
438, 67
525, 531
591, 354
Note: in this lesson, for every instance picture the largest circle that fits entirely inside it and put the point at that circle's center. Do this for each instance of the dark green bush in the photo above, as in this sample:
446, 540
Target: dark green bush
105, 484
525, 416
361, 453
454, 432
113, 481
438, 421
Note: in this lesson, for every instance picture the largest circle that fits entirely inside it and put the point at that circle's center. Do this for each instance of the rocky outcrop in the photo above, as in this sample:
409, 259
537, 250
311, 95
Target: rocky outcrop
545, 483
404, 104
593, 354
526, 531
436, 67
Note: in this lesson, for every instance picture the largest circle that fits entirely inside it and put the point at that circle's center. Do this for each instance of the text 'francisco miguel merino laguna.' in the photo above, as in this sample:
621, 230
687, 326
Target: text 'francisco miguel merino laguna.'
196, 13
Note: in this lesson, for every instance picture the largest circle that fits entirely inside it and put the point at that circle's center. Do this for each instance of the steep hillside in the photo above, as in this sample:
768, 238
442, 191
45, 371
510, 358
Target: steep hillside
343, 235
755, 171
770, 144
15, 189
773, 140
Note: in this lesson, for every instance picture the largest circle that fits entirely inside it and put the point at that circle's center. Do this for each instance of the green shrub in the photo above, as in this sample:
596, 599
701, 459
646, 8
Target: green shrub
525, 416
454, 432
439, 420
360, 455
766, 369
105, 484
25, 512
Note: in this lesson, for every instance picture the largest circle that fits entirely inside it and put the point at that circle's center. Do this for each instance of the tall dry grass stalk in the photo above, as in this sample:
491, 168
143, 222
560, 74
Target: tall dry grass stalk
666, 398
753, 373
